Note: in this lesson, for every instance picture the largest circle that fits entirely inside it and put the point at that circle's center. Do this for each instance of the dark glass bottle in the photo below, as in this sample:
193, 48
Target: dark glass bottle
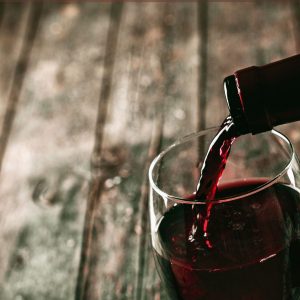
260, 98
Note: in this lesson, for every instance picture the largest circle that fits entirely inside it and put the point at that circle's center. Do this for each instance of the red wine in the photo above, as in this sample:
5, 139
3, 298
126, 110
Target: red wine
211, 172
215, 160
255, 253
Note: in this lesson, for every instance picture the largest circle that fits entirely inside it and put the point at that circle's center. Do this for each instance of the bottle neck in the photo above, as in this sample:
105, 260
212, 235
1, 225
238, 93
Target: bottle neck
260, 98
235, 104
245, 99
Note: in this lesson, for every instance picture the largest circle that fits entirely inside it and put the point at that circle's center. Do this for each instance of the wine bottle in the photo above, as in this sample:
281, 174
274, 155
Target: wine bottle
261, 97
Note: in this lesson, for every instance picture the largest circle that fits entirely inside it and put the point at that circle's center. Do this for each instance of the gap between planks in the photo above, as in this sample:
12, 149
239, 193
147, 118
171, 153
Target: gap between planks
2, 12
202, 29
202, 22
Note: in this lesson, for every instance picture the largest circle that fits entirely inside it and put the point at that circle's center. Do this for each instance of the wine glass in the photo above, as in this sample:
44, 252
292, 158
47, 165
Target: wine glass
251, 248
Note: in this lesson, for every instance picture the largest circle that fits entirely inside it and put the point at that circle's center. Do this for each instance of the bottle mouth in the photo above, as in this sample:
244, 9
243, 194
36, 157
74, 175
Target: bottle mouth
235, 105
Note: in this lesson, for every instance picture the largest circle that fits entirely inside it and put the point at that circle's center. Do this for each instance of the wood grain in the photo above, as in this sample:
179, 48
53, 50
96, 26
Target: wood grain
295, 16
88, 98
46, 166
86, 279
19, 75
202, 89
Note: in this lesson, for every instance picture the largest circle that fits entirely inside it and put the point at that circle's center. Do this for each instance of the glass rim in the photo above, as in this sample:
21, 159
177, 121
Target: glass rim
187, 138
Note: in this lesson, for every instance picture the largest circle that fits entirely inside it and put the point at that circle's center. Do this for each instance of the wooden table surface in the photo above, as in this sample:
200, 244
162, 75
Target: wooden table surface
89, 94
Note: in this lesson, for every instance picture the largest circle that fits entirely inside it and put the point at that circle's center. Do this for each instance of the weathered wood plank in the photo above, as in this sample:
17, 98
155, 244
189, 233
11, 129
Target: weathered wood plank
144, 76
15, 49
46, 167
120, 202
150, 84
180, 74
227, 49
13, 25
18, 78
180, 88
87, 279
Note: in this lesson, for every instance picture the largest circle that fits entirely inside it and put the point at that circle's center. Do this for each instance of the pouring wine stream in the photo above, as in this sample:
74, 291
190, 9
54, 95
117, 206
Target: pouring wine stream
211, 172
